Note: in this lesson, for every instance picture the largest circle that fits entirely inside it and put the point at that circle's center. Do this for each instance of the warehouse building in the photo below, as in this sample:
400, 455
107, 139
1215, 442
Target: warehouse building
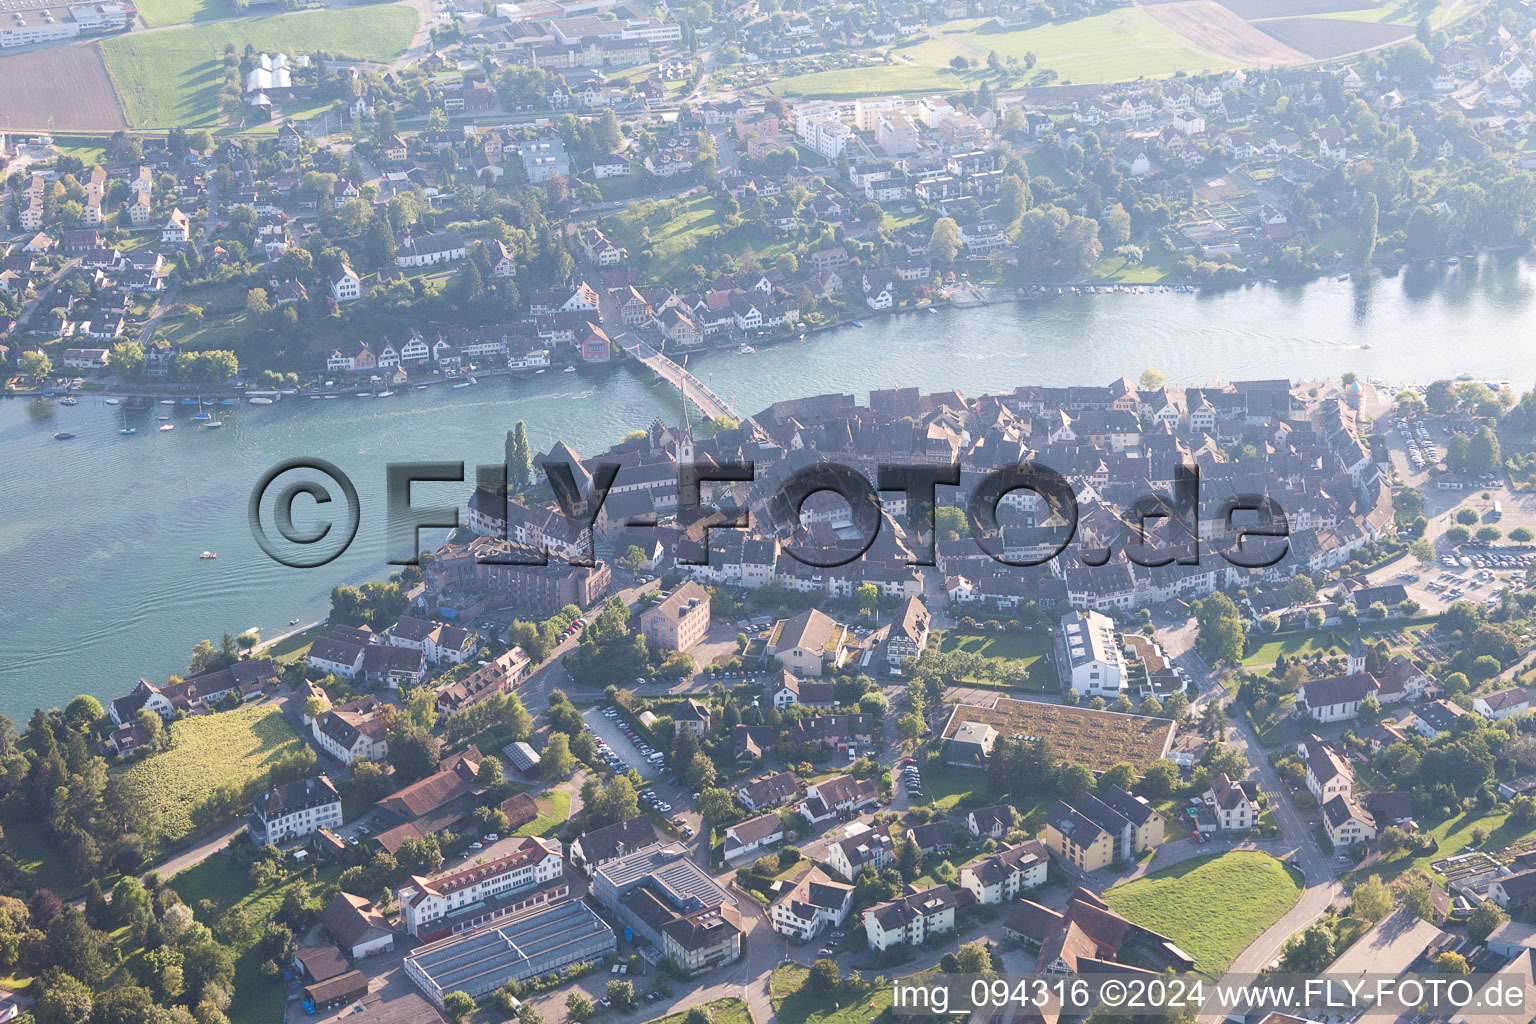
539, 942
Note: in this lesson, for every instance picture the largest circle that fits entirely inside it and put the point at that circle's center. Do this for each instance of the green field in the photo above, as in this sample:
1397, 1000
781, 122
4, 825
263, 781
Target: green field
1453, 836
1026, 647
1252, 889
231, 747
729, 1010
258, 999
554, 812
794, 1003
1332, 640
682, 232
172, 78
1116, 46
159, 13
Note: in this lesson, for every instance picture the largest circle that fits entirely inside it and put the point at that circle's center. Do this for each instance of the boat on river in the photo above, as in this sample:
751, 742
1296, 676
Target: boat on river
63, 435
113, 401
260, 401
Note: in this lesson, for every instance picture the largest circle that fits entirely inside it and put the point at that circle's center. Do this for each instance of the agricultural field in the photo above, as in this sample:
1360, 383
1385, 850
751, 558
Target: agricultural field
159, 13
1252, 889
1213, 27
173, 77
1096, 739
58, 88
1152, 39
228, 748
1323, 38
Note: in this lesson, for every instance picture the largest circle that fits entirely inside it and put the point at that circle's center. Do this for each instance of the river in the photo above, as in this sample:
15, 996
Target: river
100, 535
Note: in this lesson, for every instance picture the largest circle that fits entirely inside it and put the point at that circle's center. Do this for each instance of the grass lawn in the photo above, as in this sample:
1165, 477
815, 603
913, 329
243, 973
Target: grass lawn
39, 865
554, 812
1028, 647
794, 1003
227, 748
173, 77
1334, 640
682, 233
1252, 889
91, 149
295, 647
947, 789
729, 1010
258, 999
159, 13
1115, 270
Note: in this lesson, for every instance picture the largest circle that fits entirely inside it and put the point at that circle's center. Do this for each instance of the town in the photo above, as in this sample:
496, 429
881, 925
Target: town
428, 223
694, 745
568, 790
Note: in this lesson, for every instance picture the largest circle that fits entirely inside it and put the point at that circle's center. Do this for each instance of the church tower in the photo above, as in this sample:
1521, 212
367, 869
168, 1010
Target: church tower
684, 428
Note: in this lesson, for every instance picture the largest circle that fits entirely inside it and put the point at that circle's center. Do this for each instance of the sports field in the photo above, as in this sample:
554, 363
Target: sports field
172, 78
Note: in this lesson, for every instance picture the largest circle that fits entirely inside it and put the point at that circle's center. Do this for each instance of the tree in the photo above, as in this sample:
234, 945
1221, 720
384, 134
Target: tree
83, 711
1151, 380
1365, 241
1121, 774
824, 977
1417, 900
1012, 199
579, 1007
36, 364
1221, 635
701, 772
1484, 920
1073, 780
698, 1015
944, 242
1308, 952
519, 456
1371, 899
1452, 963
126, 360
715, 805
65, 1001
458, 1005
621, 992
556, 760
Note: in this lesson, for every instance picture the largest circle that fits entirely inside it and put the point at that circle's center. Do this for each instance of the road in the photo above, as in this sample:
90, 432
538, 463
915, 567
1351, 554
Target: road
1296, 844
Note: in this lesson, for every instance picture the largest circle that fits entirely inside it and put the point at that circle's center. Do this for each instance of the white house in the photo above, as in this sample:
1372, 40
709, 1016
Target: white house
294, 810
1089, 656
910, 920
1502, 703
1000, 877
345, 286
813, 904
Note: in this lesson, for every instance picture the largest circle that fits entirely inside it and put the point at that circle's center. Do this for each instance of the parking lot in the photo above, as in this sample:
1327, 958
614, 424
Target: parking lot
611, 731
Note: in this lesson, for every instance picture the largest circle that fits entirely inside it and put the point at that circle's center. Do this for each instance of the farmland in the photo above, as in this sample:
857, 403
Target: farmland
228, 748
173, 77
1154, 39
1096, 739
1252, 889
159, 13
1213, 27
61, 88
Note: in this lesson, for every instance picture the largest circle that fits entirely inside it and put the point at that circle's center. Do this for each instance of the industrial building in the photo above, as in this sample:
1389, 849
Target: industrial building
534, 944
670, 902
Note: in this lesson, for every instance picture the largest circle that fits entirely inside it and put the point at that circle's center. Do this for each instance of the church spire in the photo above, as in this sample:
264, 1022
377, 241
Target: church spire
684, 428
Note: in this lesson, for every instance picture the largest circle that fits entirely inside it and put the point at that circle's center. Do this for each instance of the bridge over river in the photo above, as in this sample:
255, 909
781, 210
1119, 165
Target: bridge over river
709, 403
